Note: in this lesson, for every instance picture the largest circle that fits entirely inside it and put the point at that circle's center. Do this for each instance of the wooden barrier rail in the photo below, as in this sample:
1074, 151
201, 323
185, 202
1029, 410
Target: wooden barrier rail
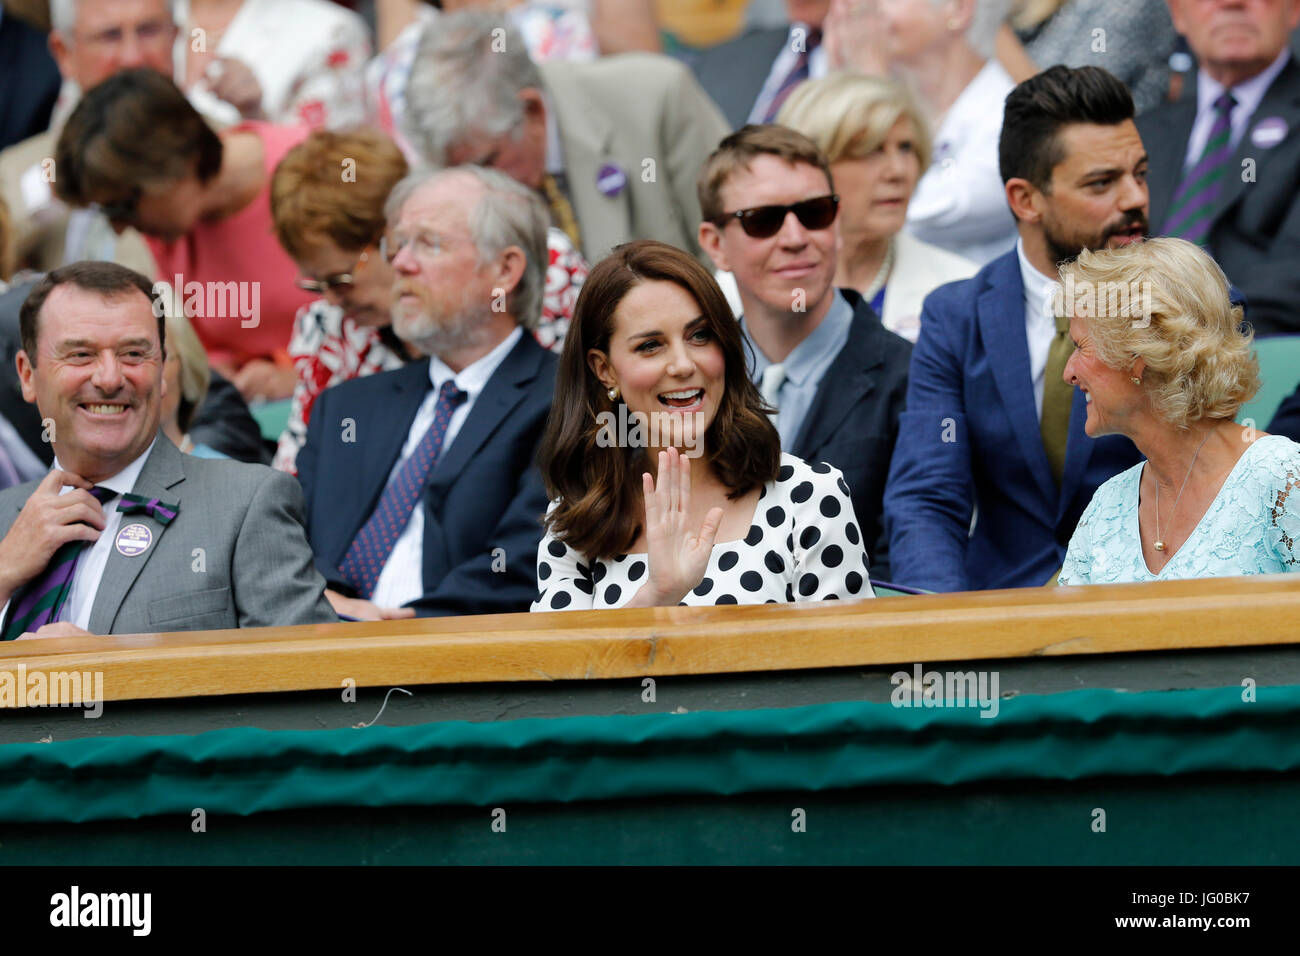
1219, 612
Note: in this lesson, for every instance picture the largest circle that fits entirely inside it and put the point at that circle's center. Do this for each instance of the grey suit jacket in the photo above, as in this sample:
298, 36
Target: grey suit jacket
642, 114
236, 555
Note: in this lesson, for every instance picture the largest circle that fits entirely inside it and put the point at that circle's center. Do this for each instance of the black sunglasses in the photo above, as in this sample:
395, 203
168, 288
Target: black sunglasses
763, 222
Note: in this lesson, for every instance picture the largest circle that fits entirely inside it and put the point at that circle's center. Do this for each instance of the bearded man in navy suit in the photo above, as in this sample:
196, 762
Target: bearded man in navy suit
992, 431
422, 492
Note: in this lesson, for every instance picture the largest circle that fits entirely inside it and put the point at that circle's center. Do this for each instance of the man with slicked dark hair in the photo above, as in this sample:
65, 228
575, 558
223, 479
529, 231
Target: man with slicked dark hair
992, 433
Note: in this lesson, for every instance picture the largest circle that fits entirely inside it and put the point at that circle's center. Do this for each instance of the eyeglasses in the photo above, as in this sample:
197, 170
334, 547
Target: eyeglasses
763, 222
343, 279
424, 246
121, 210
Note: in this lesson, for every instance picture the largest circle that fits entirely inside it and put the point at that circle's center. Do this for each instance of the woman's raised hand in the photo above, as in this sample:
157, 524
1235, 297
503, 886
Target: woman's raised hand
678, 554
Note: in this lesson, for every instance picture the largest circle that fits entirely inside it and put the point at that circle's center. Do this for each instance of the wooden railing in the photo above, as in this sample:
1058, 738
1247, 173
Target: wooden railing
577, 645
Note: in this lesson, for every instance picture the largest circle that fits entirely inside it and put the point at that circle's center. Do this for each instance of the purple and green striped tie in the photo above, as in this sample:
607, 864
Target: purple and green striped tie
40, 600
1192, 210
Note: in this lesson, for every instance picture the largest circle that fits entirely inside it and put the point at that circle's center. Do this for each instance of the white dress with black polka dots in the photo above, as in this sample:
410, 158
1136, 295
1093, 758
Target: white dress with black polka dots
803, 545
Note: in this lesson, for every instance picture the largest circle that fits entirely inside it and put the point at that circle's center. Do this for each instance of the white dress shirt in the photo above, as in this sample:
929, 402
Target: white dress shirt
1247, 95
1040, 323
402, 579
90, 565
959, 203
785, 62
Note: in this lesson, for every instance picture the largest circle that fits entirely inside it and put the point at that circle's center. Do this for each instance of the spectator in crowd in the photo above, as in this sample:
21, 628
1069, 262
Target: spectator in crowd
288, 62
421, 483
29, 80
1225, 159
1132, 39
331, 226
550, 32
613, 146
632, 522
1170, 372
836, 376
751, 76
91, 40
944, 51
877, 143
115, 553
17, 462
137, 148
991, 428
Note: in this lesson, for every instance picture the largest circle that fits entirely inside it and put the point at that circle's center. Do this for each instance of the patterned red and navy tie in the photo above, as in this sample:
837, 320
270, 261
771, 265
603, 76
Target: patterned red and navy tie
798, 73
1192, 210
373, 545
40, 600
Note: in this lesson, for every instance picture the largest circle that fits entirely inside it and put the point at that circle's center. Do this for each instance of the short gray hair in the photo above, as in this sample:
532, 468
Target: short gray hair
63, 15
508, 214
468, 71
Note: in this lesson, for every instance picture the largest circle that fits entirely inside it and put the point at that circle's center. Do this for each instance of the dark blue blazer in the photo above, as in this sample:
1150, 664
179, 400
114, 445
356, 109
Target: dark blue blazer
29, 81
853, 420
1255, 232
970, 437
484, 493
1286, 421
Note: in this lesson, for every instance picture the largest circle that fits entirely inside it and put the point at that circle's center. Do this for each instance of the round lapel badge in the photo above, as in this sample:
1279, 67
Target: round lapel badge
611, 179
1268, 132
134, 540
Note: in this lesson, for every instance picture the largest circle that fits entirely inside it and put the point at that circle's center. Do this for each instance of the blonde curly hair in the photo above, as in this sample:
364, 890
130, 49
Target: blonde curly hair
1167, 302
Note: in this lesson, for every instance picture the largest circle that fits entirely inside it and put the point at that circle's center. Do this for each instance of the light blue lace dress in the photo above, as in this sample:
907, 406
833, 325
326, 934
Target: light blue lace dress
1251, 527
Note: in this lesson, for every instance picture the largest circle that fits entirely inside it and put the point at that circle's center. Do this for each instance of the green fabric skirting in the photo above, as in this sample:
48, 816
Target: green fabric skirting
243, 771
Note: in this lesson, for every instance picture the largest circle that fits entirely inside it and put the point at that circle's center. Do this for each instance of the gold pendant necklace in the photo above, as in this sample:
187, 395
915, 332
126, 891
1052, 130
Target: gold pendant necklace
1159, 544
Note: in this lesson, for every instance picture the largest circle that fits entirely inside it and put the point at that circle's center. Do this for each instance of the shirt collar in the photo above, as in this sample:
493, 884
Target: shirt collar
1247, 94
804, 359
124, 480
1038, 287
474, 376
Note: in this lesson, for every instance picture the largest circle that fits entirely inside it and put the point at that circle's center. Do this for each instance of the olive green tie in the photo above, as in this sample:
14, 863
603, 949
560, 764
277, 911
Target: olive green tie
1058, 397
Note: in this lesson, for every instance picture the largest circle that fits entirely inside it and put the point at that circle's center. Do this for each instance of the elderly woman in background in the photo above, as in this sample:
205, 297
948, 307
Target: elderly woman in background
943, 49
1160, 358
330, 224
877, 142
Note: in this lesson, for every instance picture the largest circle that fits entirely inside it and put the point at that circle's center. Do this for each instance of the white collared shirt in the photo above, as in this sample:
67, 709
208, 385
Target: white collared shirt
402, 579
785, 62
1040, 323
90, 565
1248, 96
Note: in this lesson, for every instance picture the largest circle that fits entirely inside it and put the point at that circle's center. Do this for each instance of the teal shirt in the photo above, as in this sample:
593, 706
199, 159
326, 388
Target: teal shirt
1251, 527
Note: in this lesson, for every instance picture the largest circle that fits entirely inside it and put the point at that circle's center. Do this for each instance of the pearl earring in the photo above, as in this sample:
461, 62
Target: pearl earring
1135, 380
613, 394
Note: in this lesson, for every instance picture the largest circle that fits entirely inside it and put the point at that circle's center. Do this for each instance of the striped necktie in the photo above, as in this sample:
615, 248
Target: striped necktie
373, 545
1058, 399
562, 214
798, 73
41, 599
1192, 210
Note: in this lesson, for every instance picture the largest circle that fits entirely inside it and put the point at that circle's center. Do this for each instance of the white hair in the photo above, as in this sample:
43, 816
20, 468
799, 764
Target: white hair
507, 214
468, 71
63, 14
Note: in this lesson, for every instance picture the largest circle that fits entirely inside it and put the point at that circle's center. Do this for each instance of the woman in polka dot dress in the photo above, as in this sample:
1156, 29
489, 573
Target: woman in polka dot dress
666, 475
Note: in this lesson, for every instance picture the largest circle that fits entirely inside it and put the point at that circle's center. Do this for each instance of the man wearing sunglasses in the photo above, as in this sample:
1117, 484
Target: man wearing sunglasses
820, 356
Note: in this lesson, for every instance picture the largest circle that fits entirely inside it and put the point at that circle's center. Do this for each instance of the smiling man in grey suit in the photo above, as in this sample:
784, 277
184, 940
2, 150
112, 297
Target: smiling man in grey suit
126, 534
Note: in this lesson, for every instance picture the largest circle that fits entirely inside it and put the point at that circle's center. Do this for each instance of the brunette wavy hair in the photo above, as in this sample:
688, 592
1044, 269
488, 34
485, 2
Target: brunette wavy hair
597, 490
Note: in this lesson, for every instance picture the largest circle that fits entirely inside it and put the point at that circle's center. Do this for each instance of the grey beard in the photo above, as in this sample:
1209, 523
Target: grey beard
465, 329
